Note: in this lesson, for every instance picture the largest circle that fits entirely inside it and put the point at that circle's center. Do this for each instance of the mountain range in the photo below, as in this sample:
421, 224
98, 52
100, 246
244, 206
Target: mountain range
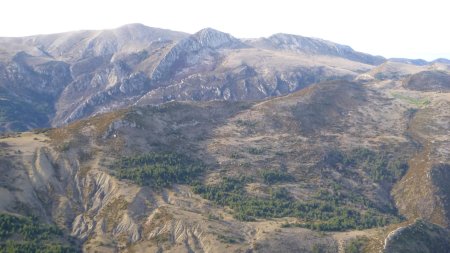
140, 139
51, 80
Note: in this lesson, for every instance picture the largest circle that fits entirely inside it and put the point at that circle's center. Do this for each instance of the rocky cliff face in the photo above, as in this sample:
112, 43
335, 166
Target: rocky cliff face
42, 76
29, 88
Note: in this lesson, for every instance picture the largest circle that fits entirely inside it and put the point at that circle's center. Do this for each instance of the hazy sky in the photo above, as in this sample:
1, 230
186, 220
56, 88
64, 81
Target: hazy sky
391, 28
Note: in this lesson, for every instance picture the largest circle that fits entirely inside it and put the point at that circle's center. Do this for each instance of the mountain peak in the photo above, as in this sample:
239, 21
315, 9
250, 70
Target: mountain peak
143, 32
209, 30
134, 26
213, 38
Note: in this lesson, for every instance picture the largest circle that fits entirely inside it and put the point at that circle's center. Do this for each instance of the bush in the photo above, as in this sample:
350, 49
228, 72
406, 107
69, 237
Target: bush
356, 245
272, 177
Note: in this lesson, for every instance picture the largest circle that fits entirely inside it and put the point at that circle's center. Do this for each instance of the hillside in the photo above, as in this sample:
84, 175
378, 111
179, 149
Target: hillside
333, 167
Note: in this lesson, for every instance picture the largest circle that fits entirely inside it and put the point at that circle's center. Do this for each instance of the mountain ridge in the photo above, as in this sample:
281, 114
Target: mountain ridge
119, 67
314, 46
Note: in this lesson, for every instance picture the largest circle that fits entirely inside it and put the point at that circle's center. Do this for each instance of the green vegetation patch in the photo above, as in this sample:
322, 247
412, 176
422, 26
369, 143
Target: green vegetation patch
329, 209
158, 169
318, 214
229, 239
380, 167
25, 234
411, 100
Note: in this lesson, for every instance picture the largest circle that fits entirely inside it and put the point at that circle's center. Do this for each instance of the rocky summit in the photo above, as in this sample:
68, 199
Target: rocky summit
140, 139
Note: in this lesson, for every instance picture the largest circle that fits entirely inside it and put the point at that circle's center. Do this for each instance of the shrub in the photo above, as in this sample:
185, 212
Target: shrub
272, 176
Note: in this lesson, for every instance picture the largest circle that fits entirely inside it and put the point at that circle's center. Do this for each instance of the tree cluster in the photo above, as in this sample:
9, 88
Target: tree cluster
158, 169
27, 234
380, 167
320, 215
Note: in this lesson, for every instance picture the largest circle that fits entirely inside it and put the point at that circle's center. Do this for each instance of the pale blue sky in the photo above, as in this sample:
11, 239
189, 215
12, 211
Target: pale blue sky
391, 28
